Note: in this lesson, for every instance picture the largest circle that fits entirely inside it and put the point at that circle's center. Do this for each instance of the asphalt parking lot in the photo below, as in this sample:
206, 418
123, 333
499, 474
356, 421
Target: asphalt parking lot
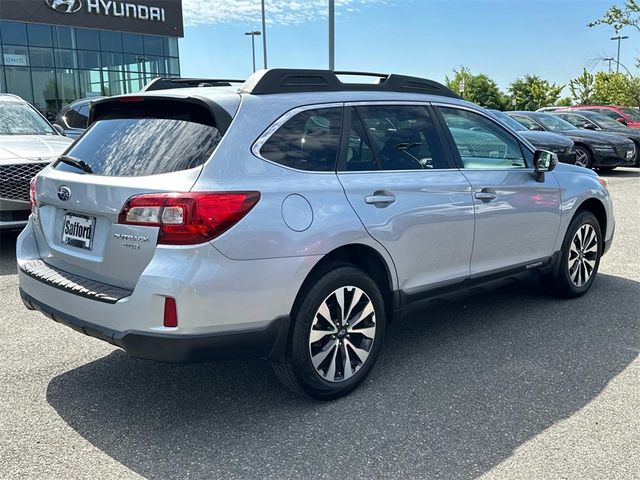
508, 384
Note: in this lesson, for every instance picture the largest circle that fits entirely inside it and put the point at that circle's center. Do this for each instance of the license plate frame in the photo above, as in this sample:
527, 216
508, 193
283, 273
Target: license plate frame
73, 239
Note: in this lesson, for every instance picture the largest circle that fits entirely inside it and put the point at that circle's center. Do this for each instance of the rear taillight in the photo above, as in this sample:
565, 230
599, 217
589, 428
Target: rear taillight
32, 193
188, 218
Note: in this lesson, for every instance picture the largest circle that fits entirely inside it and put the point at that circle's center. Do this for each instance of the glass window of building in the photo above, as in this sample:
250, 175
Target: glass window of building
39, 35
88, 39
110, 41
113, 82
88, 59
19, 82
90, 83
40, 57
15, 56
172, 44
112, 60
132, 43
66, 59
153, 45
45, 97
67, 87
14, 33
64, 37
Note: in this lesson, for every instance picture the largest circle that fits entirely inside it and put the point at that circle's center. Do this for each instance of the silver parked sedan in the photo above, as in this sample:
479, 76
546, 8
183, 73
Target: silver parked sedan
295, 218
27, 144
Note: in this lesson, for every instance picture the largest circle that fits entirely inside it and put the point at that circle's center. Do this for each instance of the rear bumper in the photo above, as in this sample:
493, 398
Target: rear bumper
268, 341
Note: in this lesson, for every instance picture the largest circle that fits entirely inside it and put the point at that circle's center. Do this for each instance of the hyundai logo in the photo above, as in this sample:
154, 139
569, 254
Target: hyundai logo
64, 193
64, 6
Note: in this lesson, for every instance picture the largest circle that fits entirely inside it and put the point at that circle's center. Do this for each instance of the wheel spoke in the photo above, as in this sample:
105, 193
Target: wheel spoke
590, 266
340, 299
361, 353
348, 371
325, 313
368, 332
322, 355
331, 371
320, 334
357, 295
366, 311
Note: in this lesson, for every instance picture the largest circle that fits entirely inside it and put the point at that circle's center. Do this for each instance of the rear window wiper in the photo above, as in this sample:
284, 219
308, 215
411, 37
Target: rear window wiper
75, 162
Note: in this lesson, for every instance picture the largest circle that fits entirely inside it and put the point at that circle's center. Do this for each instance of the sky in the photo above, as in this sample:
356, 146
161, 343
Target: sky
504, 39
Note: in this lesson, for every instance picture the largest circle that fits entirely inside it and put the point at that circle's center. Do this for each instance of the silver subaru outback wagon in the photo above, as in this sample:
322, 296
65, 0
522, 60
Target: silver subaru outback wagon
294, 218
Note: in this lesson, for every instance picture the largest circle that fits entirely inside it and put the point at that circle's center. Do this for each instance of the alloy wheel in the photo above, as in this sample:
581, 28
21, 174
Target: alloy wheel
583, 254
582, 158
342, 334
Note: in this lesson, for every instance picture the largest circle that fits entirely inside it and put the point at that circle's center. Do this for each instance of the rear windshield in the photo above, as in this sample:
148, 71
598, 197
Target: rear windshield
143, 146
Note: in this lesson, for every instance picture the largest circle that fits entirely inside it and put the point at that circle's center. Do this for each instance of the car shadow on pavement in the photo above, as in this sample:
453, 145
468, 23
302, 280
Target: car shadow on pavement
621, 173
8, 252
454, 393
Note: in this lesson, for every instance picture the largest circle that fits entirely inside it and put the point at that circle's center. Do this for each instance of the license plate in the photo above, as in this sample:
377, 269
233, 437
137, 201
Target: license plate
77, 230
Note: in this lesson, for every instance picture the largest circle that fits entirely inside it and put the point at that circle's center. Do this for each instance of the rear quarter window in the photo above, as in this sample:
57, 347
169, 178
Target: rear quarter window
153, 142
307, 141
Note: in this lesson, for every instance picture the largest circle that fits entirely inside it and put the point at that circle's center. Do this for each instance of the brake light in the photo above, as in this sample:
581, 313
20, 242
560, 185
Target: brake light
131, 99
33, 200
188, 218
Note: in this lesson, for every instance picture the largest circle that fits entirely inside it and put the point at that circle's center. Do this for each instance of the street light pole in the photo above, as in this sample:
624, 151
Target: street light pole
253, 46
264, 36
618, 38
332, 32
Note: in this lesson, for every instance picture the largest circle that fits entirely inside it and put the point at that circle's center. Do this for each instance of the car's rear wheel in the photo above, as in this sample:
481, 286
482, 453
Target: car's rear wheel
580, 258
337, 332
584, 158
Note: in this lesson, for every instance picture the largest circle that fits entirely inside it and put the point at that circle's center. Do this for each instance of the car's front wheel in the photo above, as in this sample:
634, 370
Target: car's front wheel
584, 158
337, 332
580, 258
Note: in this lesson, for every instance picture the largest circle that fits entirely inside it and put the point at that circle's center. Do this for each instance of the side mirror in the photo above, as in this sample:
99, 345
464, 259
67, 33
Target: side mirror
589, 126
543, 161
536, 128
621, 120
59, 129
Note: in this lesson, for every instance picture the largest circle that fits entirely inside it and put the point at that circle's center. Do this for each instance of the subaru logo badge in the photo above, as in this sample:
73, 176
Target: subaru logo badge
64, 193
64, 6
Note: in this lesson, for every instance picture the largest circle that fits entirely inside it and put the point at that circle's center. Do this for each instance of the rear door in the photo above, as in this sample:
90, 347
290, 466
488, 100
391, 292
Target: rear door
407, 193
153, 145
517, 217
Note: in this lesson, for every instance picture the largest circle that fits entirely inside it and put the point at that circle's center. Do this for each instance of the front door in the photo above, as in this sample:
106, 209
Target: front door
517, 217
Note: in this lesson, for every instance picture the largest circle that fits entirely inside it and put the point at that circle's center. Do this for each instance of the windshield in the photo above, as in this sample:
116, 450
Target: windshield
20, 119
634, 113
604, 121
553, 124
504, 118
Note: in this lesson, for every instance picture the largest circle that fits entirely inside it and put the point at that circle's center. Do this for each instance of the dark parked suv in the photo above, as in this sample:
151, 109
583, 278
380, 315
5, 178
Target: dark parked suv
74, 117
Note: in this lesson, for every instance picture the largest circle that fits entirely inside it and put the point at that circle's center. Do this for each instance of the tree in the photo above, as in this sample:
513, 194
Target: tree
479, 89
532, 92
582, 88
620, 17
616, 89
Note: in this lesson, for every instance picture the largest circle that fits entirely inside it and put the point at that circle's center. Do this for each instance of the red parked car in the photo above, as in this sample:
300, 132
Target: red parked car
626, 115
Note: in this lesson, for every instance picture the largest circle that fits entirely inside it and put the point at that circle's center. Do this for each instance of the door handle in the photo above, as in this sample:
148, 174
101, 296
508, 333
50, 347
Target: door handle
380, 198
486, 195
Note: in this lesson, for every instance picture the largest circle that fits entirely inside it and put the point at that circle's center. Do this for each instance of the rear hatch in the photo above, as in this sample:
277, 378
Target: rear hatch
134, 146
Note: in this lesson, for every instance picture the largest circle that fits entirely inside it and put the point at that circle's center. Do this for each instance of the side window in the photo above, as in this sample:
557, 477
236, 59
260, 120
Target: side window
307, 141
576, 120
393, 137
83, 116
609, 113
481, 142
75, 118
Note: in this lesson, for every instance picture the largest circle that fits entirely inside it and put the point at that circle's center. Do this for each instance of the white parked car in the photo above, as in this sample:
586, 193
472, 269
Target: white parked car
27, 144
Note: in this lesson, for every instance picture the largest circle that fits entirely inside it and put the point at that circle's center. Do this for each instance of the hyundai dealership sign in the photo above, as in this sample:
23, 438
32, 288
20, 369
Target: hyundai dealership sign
155, 17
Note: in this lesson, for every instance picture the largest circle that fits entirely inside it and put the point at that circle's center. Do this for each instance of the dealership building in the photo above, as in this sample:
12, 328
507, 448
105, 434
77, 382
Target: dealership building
53, 52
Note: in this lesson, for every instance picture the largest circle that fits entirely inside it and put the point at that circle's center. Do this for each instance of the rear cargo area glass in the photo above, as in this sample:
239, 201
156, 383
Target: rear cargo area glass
143, 146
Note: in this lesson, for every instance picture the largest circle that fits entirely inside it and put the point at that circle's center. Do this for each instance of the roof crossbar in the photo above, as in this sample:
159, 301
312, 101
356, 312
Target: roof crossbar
283, 80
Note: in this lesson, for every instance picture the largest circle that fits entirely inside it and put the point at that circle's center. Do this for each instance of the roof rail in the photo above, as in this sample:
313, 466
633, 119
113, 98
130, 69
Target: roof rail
165, 83
284, 80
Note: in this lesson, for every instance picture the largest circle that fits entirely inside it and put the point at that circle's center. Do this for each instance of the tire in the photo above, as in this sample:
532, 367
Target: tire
579, 260
318, 367
584, 157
